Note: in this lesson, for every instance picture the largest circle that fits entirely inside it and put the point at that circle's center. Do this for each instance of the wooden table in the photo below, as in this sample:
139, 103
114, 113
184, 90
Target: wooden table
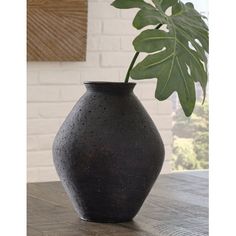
176, 206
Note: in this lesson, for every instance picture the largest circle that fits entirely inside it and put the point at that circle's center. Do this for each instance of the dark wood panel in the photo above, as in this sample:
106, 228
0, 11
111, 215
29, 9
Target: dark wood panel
177, 205
56, 30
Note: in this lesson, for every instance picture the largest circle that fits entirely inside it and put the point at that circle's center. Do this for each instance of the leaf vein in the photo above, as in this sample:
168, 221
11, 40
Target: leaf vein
159, 62
182, 73
146, 39
190, 53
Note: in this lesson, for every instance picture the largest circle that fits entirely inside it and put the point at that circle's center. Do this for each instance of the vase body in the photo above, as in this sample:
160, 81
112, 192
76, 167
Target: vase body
108, 153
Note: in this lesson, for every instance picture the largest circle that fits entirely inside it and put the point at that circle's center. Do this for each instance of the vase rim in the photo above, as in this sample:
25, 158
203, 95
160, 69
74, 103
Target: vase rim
109, 83
110, 87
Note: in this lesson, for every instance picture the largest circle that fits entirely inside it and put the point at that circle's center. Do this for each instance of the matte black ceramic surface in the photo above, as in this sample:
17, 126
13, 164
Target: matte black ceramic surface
108, 153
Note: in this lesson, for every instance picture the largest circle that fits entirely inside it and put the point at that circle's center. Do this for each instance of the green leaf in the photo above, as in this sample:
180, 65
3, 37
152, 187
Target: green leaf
178, 57
127, 4
148, 17
165, 4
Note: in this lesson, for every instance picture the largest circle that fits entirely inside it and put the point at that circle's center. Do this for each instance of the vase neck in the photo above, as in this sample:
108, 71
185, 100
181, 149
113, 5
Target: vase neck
110, 87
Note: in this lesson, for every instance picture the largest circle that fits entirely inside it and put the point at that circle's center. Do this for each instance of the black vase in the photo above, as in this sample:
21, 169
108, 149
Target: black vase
108, 153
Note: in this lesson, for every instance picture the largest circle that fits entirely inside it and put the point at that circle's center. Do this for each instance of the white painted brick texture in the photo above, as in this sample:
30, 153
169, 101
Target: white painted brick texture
54, 87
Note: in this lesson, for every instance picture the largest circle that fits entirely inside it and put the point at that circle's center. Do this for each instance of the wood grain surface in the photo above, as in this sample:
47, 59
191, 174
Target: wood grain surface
176, 206
56, 30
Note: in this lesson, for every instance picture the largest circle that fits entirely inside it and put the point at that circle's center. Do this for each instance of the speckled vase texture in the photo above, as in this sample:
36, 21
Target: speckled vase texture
108, 153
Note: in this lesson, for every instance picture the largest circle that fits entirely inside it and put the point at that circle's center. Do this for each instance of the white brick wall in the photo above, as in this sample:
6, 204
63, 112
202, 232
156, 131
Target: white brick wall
54, 87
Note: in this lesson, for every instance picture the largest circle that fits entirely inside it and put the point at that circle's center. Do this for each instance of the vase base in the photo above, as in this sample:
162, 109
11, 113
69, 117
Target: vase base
106, 220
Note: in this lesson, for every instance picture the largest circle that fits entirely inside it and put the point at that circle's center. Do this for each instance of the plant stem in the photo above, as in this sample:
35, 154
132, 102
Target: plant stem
134, 60
131, 66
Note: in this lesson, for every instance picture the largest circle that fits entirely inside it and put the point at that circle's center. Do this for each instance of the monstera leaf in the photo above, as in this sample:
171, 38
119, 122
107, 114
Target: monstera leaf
177, 56
127, 4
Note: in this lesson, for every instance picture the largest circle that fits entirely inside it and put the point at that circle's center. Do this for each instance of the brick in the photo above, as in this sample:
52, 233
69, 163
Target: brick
109, 43
101, 10
43, 93
47, 174
148, 90
100, 75
104, 43
39, 158
92, 60
138, 91
43, 126
32, 142
53, 110
32, 77
94, 26
118, 27
93, 43
45, 141
154, 107
59, 77
33, 175
128, 14
167, 136
116, 59
71, 93
32, 111
127, 43
150, 106
39, 66
163, 122
40, 142
165, 107
41, 174
123, 72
